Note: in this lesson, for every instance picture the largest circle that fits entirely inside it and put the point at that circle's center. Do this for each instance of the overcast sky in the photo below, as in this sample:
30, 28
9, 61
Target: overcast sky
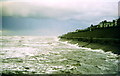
54, 17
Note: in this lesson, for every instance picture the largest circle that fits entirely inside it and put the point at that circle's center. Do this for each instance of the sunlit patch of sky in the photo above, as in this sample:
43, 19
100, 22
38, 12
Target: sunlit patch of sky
54, 17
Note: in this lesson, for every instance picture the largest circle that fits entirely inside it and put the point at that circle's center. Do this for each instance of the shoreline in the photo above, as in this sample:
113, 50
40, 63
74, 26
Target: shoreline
95, 45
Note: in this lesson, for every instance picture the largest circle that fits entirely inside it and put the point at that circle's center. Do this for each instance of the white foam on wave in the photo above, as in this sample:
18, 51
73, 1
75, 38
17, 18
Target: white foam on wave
72, 45
88, 49
39, 49
19, 52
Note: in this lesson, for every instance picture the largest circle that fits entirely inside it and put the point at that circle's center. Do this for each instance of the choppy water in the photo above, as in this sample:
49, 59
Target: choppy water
48, 55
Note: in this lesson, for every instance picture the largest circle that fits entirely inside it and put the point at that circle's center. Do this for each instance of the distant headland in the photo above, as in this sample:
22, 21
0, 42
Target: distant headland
105, 35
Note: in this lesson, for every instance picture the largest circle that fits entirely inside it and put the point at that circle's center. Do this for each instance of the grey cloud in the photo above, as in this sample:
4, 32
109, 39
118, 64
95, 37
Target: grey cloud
33, 18
65, 11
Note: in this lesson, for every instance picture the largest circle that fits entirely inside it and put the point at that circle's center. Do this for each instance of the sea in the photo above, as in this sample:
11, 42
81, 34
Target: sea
49, 55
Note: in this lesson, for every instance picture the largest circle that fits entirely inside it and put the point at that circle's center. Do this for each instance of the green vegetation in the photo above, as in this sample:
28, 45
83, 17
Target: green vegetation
105, 33
111, 32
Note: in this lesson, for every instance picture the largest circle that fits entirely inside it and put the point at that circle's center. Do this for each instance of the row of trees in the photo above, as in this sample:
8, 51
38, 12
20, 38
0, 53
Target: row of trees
103, 24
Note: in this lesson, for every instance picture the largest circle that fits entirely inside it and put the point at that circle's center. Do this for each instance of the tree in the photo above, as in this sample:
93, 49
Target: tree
113, 22
104, 23
91, 25
118, 22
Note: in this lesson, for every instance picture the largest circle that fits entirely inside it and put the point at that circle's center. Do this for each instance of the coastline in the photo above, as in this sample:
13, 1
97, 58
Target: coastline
105, 36
114, 48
